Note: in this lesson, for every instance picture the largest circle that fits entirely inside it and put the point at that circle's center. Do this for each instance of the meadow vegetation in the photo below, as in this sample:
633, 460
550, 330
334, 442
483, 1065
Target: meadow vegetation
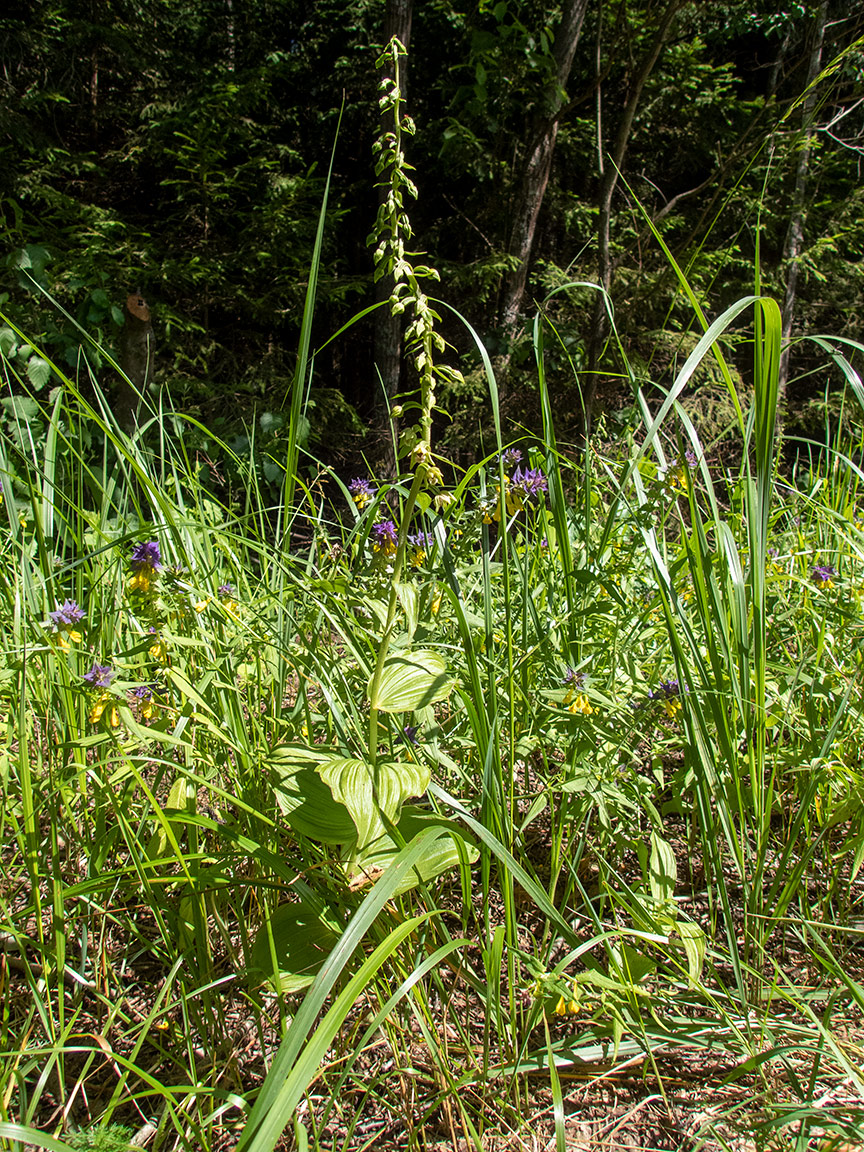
478, 807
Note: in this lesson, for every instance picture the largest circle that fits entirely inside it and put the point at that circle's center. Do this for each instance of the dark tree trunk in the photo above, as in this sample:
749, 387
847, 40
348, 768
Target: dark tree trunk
609, 181
795, 235
535, 178
135, 359
388, 328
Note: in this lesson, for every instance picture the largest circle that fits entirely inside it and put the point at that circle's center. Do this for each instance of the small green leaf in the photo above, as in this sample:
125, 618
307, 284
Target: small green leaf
662, 871
23, 408
302, 941
370, 794
8, 342
39, 371
411, 681
693, 939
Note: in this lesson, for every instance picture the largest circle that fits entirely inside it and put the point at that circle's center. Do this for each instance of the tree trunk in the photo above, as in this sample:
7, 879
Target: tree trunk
388, 328
795, 235
610, 173
135, 359
535, 178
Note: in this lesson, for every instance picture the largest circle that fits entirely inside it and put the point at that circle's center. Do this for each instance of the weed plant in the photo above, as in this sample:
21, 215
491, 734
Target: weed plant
357, 815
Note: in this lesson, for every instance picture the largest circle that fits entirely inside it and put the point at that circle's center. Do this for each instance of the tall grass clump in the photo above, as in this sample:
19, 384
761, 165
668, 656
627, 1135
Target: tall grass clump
409, 810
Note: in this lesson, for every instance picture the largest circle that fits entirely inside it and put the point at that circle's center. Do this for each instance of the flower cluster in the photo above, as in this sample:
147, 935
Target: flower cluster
385, 537
569, 1006
530, 482
575, 699
103, 704
420, 543
823, 576
146, 563
143, 696
678, 472
668, 692
66, 619
510, 457
100, 675
525, 486
362, 492
227, 594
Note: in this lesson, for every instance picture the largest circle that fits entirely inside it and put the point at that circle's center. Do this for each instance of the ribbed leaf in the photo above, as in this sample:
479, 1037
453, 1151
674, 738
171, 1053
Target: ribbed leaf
440, 855
410, 681
305, 800
368, 792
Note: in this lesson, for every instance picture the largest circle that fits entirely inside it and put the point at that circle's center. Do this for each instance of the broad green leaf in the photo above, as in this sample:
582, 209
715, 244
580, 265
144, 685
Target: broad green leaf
39, 371
410, 681
23, 408
305, 800
182, 798
302, 941
439, 856
370, 793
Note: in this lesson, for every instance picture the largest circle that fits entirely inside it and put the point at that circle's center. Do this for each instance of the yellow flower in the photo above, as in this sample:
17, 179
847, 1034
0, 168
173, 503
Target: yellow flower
104, 705
579, 703
672, 706
567, 1007
200, 605
142, 580
158, 651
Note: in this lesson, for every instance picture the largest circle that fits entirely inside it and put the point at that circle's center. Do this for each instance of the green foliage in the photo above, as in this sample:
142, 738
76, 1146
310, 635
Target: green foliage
533, 769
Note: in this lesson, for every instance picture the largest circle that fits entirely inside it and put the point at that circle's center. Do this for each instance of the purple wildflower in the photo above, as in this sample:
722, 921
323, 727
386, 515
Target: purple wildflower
227, 591
147, 555
362, 492
665, 690
100, 675
573, 678
67, 615
384, 537
668, 693
409, 734
510, 456
143, 692
530, 481
421, 540
823, 576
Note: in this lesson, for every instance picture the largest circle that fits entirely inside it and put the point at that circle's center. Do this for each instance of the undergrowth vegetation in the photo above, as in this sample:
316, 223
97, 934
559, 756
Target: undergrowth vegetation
381, 813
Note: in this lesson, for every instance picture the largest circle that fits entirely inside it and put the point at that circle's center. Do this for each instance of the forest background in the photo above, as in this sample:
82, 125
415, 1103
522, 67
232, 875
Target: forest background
179, 150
